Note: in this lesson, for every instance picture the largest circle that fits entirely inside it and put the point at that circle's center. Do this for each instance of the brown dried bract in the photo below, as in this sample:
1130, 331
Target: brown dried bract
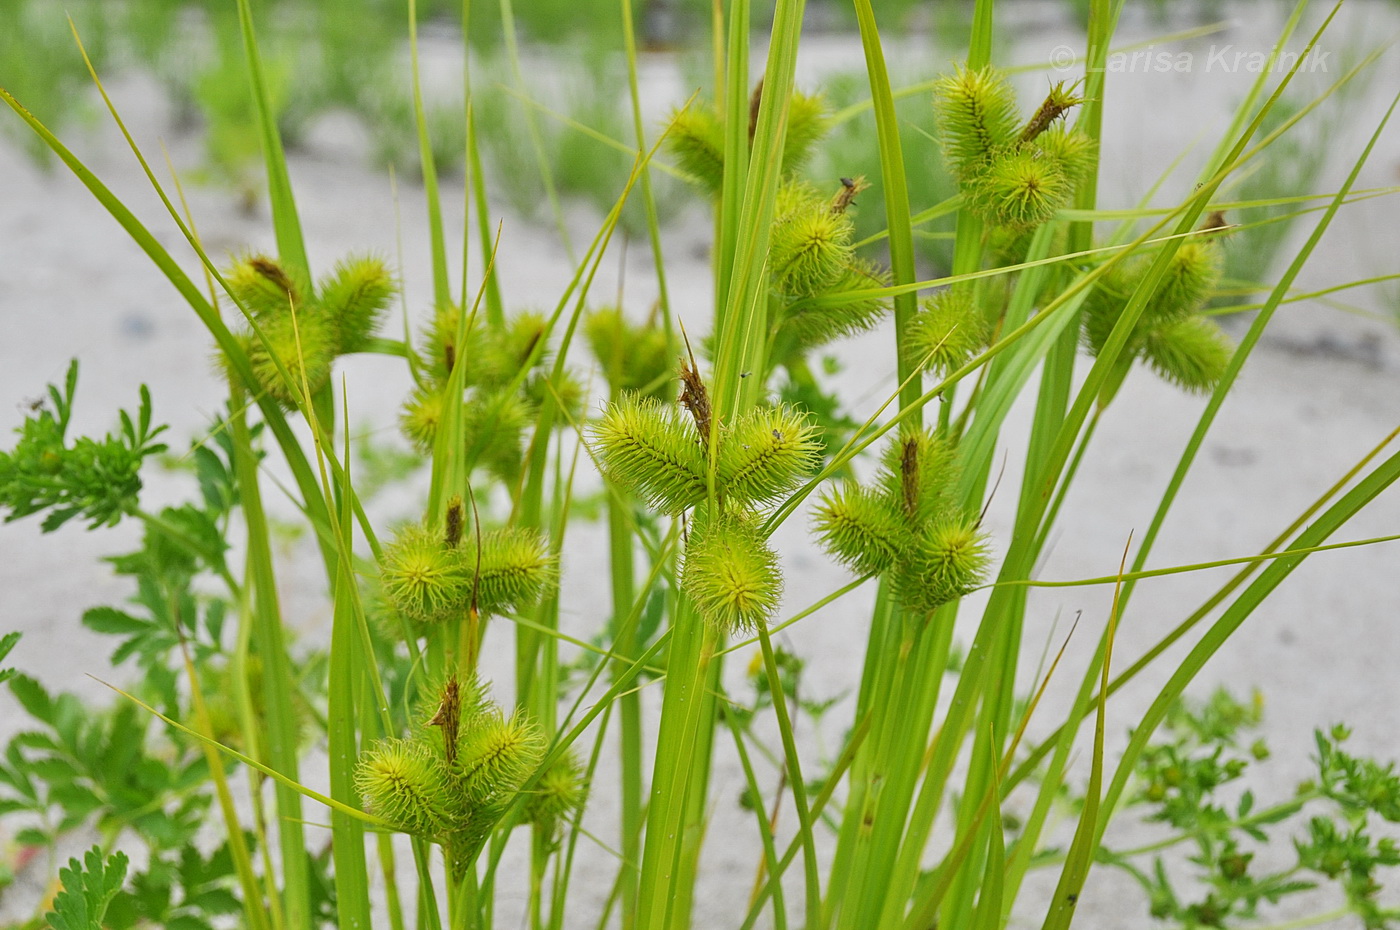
755, 101
909, 475
1058, 102
846, 196
449, 717
274, 272
454, 522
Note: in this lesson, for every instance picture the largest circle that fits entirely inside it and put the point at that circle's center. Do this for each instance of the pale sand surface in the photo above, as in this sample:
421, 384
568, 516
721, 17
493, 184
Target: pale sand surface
1317, 395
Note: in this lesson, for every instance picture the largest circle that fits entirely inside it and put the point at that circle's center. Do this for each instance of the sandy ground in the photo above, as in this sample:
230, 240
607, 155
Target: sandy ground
1317, 395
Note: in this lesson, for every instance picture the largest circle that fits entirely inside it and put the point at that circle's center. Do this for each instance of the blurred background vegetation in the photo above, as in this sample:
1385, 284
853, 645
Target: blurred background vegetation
350, 57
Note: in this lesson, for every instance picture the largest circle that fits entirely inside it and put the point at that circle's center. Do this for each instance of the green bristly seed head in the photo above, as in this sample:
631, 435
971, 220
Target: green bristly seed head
768, 452
808, 122
514, 569
634, 358
1191, 353
696, 140
263, 287
947, 561
1191, 277
730, 573
559, 792
356, 295
495, 754
1072, 151
440, 351
304, 342
493, 429
402, 783
919, 473
862, 529
420, 416
809, 327
809, 248
1019, 190
422, 578
976, 118
948, 330
647, 448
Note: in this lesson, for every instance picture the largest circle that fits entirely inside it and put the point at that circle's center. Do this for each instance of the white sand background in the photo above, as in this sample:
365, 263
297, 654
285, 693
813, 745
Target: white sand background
1320, 391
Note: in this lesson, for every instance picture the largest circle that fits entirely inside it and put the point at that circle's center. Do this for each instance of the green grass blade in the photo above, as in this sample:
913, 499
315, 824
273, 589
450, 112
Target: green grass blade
291, 247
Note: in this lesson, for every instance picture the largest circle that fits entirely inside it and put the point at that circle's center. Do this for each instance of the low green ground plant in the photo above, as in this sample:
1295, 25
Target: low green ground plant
439, 768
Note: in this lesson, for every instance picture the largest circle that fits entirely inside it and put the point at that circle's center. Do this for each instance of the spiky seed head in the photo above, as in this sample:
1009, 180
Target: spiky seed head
1071, 150
1191, 276
559, 791
648, 449
976, 112
355, 295
861, 529
401, 783
493, 429
947, 331
422, 578
419, 417
730, 573
514, 568
441, 351
808, 249
1191, 352
808, 121
263, 286
948, 560
495, 754
1019, 190
919, 474
695, 139
810, 327
768, 452
634, 357
1106, 301
509, 350
305, 343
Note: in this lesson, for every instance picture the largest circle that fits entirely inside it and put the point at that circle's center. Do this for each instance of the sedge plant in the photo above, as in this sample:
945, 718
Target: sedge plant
458, 785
